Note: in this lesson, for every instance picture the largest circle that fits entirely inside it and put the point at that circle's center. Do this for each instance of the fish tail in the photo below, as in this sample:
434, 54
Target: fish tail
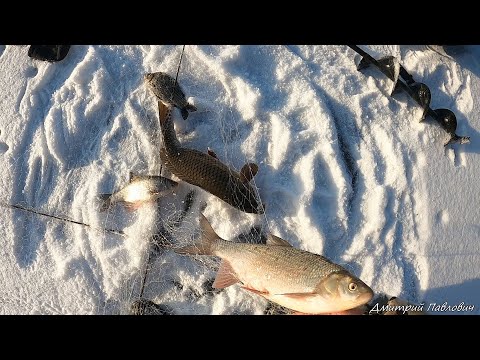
105, 201
205, 245
191, 107
184, 112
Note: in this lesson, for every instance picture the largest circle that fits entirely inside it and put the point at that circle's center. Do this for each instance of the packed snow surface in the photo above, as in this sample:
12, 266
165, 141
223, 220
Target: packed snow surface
344, 171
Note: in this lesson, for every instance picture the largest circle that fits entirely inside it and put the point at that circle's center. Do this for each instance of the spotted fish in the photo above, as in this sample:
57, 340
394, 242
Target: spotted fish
206, 171
169, 92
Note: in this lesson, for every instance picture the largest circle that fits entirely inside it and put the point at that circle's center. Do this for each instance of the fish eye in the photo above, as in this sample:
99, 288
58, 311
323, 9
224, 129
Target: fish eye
352, 286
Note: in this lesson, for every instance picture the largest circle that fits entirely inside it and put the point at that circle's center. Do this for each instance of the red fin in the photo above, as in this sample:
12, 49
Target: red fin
298, 295
258, 292
133, 206
248, 172
225, 276
275, 240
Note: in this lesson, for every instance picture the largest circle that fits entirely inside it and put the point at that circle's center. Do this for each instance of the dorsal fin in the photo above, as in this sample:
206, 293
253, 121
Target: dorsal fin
276, 241
132, 177
211, 153
248, 171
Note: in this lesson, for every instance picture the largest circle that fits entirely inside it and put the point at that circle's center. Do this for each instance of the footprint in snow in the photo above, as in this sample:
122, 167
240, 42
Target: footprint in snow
31, 72
3, 147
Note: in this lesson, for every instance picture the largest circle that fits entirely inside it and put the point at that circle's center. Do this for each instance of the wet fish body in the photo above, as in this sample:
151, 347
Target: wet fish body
139, 190
297, 279
169, 92
206, 171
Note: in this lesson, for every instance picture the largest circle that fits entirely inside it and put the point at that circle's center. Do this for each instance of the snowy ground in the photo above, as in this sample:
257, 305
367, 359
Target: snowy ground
345, 171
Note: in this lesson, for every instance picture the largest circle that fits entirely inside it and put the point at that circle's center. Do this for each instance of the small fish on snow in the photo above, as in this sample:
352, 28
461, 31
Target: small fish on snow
139, 190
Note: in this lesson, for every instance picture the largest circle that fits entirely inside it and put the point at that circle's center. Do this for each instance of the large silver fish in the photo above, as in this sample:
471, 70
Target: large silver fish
164, 87
296, 279
139, 190
206, 171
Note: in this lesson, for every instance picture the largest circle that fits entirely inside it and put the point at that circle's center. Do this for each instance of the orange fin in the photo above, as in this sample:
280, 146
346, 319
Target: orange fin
258, 292
298, 295
248, 172
275, 240
225, 276
133, 206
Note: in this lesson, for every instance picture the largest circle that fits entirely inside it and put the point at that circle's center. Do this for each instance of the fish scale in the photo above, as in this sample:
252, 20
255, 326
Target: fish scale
205, 171
167, 90
297, 268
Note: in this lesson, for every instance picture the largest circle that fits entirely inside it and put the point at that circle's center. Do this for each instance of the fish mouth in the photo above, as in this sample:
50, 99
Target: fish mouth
365, 298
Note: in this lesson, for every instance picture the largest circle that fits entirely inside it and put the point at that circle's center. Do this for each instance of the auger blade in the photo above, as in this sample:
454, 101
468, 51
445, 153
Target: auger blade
458, 139
447, 119
363, 64
421, 94
392, 67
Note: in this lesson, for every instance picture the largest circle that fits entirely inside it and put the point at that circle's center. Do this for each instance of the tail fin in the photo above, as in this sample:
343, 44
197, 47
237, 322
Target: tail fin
186, 109
105, 201
184, 112
204, 246
191, 107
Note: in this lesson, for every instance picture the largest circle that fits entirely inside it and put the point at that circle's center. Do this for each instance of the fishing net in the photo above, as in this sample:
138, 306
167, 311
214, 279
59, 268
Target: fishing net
100, 122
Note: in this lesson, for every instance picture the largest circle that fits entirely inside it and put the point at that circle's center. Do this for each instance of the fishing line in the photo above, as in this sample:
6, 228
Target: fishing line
33, 211
179, 63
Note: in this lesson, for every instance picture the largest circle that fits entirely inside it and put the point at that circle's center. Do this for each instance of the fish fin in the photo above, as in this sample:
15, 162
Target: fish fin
255, 291
132, 177
191, 107
164, 113
225, 276
275, 240
248, 171
105, 201
298, 295
212, 153
171, 182
184, 112
204, 245
133, 206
